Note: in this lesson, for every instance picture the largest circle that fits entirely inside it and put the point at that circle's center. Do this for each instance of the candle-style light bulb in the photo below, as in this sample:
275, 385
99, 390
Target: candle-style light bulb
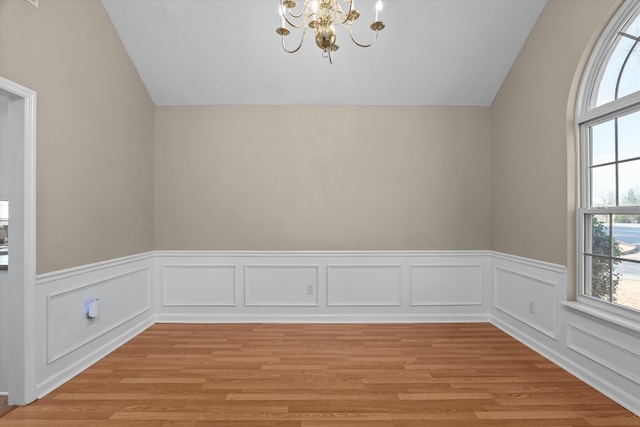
378, 9
281, 12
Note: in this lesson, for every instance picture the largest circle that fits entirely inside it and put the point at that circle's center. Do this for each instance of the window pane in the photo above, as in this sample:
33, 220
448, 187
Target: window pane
600, 240
603, 143
634, 28
629, 135
609, 79
603, 186
626, 237
630, 78
629, 183
627, 284
600, 277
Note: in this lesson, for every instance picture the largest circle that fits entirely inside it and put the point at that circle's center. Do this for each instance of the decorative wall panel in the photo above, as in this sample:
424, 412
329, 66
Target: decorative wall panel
356, 285
270, 285
529, 299
203, 285
446, 285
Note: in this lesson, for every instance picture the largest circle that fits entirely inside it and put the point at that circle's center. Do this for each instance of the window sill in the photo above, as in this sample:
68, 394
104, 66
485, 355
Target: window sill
603, 316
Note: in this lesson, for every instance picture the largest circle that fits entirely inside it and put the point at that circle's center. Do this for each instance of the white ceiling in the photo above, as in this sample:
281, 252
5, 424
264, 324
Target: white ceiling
226, 52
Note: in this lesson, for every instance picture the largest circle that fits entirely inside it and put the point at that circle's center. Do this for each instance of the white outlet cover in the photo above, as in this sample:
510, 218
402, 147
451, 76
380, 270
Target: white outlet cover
33, 2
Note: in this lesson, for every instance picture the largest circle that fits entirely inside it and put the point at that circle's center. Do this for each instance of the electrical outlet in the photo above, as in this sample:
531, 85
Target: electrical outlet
34, 3
532, 307
310, 289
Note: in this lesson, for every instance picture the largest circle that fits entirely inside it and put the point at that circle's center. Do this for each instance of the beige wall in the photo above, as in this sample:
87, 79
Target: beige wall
322, 178
533, 148
273, 177
95, 131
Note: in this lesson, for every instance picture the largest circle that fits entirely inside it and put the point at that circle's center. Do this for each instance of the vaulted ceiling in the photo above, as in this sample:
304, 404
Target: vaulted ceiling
226, 52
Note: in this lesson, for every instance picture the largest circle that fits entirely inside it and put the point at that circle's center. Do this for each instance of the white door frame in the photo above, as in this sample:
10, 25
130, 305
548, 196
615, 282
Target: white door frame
22, 361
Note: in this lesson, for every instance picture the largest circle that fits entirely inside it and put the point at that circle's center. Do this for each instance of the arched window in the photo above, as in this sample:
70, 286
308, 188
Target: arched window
608, 116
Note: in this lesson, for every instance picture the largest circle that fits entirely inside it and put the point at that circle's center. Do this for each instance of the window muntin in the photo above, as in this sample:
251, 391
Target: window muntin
614, 161
611, 263
621, 75
609, 212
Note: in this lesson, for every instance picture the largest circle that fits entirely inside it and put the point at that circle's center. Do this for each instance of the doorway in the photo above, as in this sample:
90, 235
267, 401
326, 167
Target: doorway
17, 280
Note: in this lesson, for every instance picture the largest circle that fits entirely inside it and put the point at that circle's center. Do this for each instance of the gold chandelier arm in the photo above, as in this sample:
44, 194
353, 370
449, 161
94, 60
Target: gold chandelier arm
346, 16
293, 15
306, 15
299, 46
286, 17
293, 24
375, 37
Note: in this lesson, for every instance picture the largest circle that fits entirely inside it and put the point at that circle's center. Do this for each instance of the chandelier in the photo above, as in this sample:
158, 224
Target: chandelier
322, 16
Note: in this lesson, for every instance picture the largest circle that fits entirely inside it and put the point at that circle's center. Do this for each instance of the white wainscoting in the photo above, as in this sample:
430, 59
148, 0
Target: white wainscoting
605, 350
66, 339
69, 327
619, 357
525, 298
342, 286
528, 298
602, 352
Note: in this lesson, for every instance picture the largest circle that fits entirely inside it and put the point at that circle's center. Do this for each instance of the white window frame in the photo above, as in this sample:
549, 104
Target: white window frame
586, 116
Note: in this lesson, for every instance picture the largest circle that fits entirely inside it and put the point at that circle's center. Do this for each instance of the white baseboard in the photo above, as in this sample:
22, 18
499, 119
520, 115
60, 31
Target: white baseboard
328, 318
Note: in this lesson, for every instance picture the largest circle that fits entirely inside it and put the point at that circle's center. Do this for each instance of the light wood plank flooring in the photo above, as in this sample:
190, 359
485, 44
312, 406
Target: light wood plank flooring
315, 375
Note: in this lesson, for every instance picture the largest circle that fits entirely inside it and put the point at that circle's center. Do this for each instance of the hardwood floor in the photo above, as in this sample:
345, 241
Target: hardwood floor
313, 375
4, 406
